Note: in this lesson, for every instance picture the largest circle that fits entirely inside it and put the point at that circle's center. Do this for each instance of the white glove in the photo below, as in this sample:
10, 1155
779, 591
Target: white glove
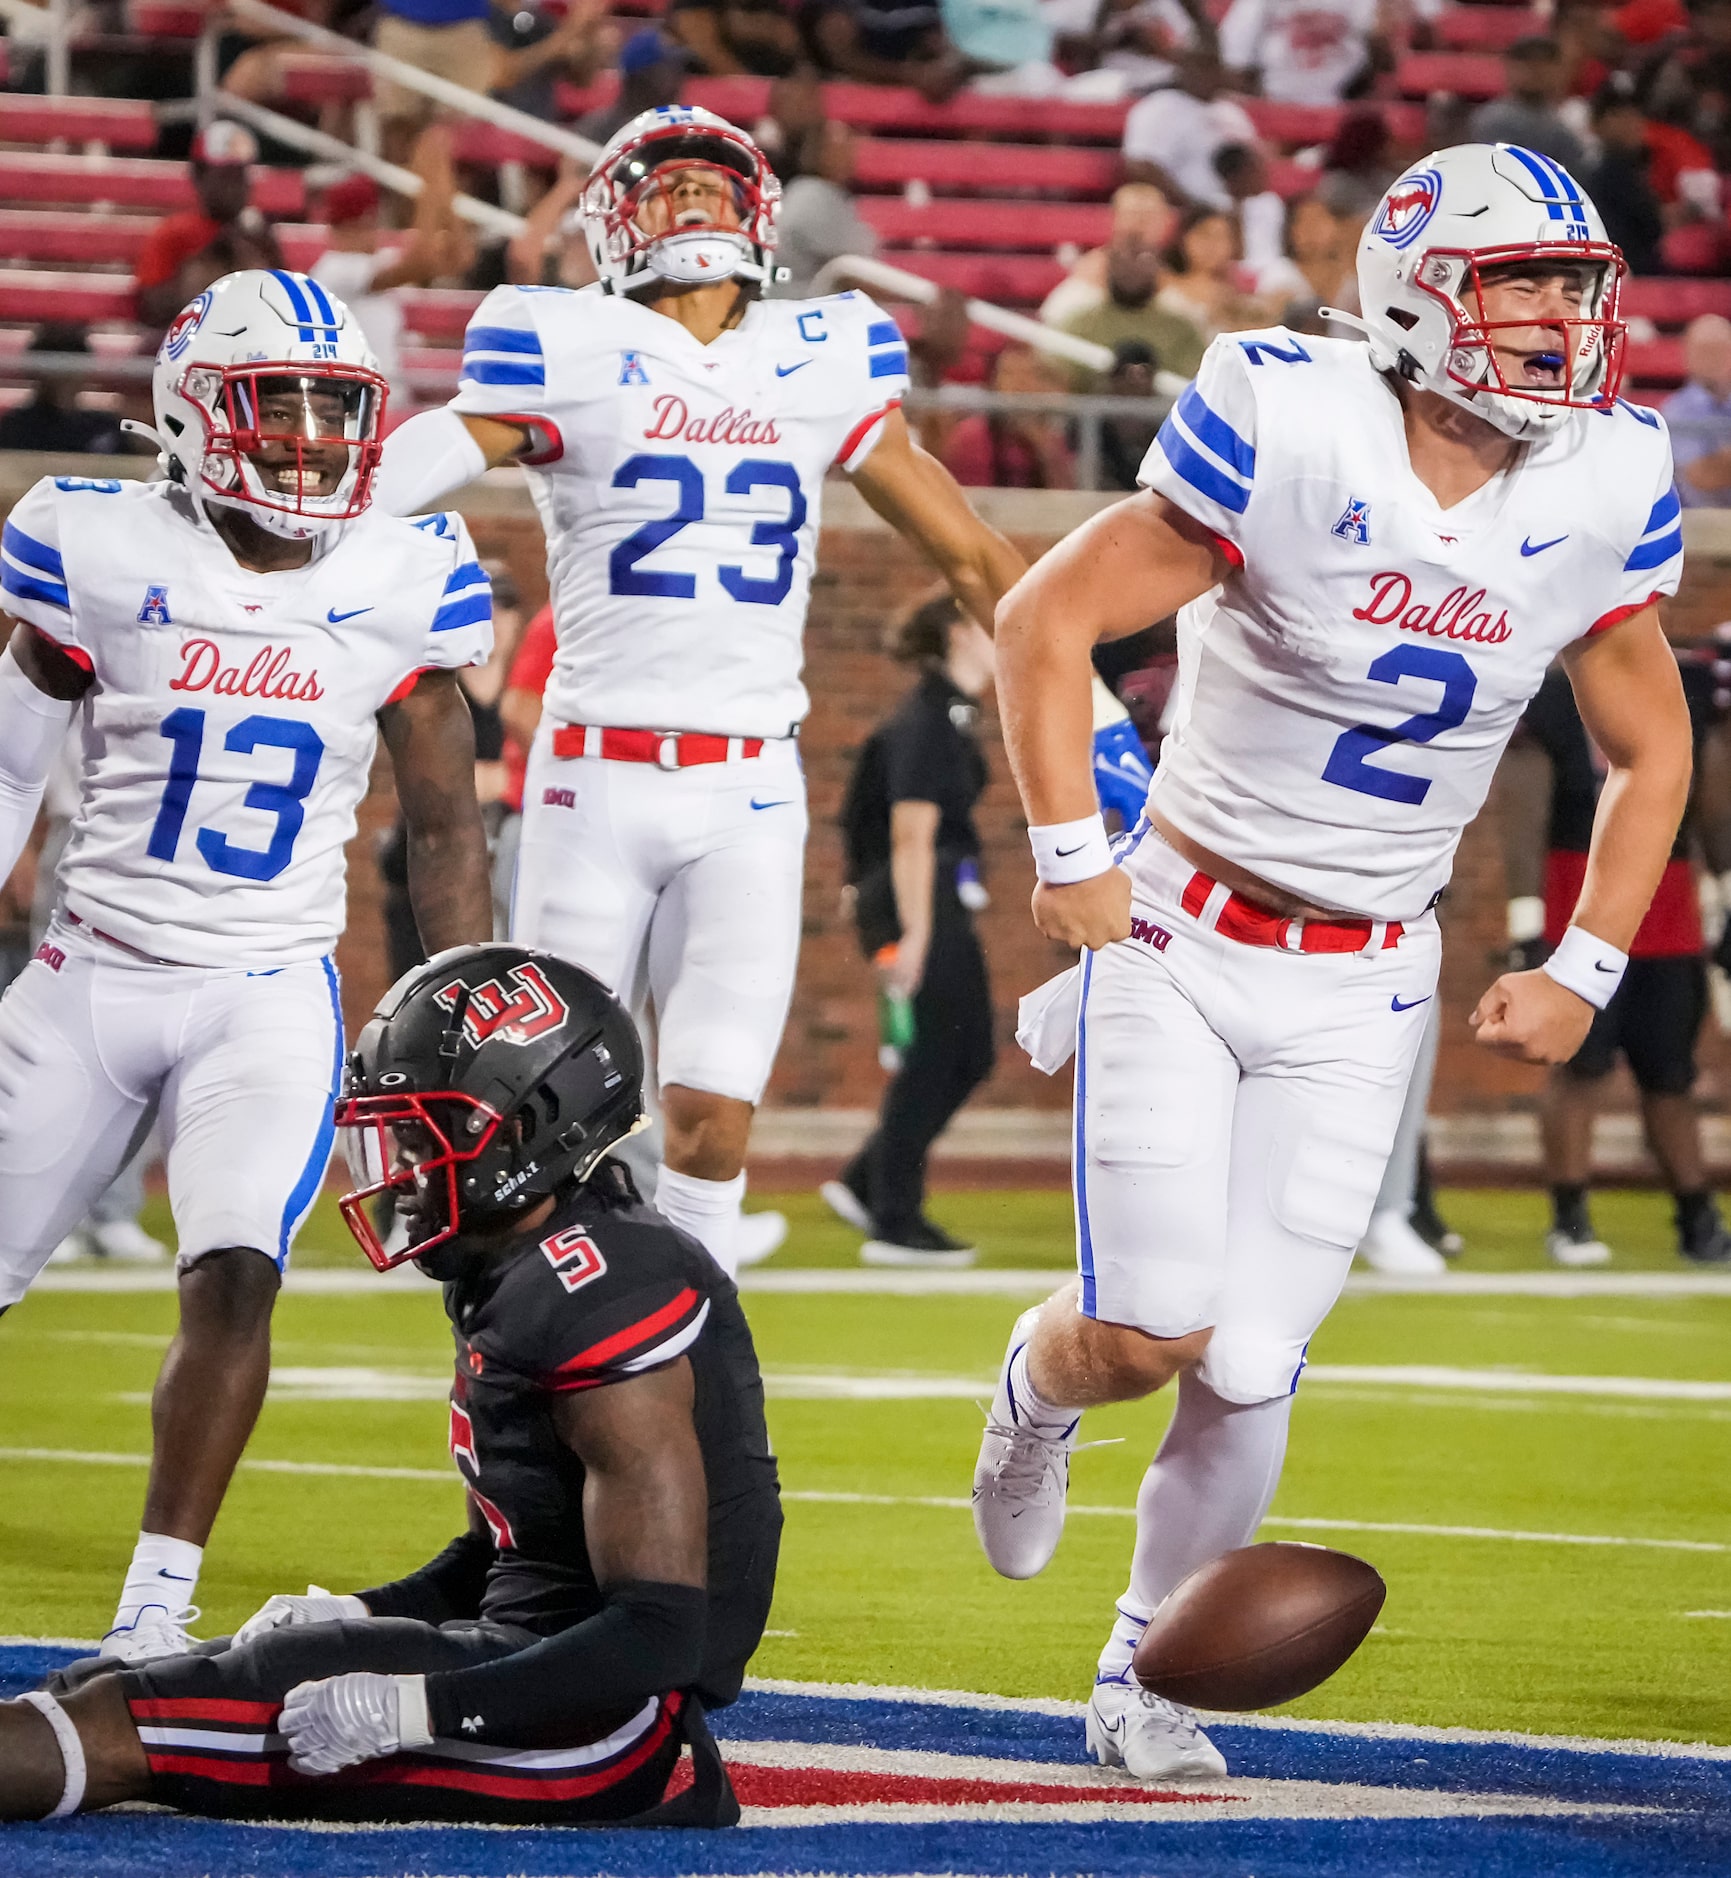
319, 1606
333, 1724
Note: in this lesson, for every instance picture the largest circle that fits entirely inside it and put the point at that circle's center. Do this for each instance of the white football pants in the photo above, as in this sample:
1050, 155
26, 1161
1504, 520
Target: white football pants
1235, 1107
243, 1068
682, 885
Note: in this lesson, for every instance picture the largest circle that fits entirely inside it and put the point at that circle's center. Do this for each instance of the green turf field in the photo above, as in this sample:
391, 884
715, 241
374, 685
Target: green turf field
1484, 1631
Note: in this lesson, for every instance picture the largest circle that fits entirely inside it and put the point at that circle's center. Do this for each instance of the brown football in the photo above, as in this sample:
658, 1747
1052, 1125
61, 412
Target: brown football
1259, 1626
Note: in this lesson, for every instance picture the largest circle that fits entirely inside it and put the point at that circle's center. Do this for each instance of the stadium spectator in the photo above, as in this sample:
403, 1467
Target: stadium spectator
1142, 40
53, 419
1124, 441
448, 38
186, 251
1129, 312
1302, 51
1204, 284
1014, 449
1620, 181
1700, 416
1257, 210
723, 37
1688, 81
652, 71
795, 106
818, 218
533, 53
1171, 137
1141, 216
367, 278
913, 868
1319, 265
886, 42
552, 249
1537, 82
1357, 166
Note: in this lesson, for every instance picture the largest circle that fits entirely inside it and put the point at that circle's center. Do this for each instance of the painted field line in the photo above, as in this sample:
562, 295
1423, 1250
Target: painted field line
405, 1281
1518, 1382
941, 1502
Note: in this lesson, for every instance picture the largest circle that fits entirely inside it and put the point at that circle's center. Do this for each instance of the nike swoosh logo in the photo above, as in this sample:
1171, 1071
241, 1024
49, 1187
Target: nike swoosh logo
1394, 1004
1065, 853
336, 618
786, 371
1529, 546
780, 802
1598, 967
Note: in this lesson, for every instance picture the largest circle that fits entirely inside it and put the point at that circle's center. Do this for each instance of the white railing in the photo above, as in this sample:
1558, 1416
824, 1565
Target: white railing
48, 26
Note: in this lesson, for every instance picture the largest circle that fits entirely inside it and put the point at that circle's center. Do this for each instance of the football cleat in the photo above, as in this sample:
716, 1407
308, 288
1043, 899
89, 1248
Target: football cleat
760, 1236
1392, 1247
127, 1243
846, 1205
1021, 1478
77, 1245
1132, 1728
1707, 1242
922, 1243
155, 1631
1576, 1245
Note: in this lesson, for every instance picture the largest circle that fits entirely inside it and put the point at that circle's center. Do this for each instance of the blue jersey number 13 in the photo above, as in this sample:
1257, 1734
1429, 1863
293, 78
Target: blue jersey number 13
184, 730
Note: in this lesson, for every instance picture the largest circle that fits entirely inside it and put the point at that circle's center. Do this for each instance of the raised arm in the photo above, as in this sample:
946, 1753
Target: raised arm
431, 738
1631, 701
920, 499
1138, 560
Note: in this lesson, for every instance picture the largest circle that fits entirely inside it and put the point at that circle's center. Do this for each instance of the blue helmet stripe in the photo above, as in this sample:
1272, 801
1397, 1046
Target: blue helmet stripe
1548, 186
322, 301
297, 300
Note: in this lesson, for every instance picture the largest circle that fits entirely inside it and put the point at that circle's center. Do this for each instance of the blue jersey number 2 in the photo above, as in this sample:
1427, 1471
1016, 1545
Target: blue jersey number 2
627, 575
184, 730
1348, 762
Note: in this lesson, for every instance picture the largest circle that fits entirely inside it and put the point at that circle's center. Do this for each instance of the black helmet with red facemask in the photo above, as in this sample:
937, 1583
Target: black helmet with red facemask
485, 1080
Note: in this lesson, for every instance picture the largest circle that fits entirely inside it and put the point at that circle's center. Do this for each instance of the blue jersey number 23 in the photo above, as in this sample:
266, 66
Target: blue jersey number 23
1349, 762
625, 571
184, 730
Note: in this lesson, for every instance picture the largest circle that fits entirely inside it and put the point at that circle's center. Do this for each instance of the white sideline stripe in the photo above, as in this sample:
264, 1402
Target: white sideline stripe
1518, 1382
405, 1281
941, 1502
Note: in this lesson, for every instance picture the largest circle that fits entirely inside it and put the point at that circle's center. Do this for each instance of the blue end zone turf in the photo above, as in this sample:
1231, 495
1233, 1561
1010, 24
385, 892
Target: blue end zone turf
1683, 1829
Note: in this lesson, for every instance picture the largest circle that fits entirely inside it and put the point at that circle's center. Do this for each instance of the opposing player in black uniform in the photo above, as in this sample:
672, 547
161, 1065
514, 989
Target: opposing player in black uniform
607, 1421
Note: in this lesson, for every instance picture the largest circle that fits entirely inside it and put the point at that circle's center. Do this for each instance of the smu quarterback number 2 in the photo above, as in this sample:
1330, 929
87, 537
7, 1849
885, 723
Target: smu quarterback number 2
625, 571
184, 730
1349, 762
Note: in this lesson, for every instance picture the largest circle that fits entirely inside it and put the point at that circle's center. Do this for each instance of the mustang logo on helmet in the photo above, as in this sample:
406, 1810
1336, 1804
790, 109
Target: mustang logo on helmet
1407, 207
185, 323
512, 1016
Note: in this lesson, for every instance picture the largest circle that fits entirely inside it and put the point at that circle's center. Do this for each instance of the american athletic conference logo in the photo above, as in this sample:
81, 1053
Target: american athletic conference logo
515, 1012
1408, 208
186, 322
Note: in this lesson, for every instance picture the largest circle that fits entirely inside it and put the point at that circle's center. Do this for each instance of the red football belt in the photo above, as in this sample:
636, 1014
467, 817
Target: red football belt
668, 749
1253, 925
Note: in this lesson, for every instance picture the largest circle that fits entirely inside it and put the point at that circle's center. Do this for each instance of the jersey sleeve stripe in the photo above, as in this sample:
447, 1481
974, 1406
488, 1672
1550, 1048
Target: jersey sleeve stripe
1665, 511
1654, 553
645, 1333
667, 1350
24, 585
1195, 469
470, 574
854, 441
33, 554
1617, 615
501, 339
469, 609
1215, 434
480, 370
883, 333
889, 364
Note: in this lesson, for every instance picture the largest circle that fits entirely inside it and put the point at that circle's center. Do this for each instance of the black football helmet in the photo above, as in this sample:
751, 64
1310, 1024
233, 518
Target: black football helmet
485, 1079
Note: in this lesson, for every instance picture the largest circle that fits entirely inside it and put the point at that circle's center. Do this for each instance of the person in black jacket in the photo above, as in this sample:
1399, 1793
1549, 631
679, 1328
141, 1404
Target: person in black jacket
607, 1425
913, 867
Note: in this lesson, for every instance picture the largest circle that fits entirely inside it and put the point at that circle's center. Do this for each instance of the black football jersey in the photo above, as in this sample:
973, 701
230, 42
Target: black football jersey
606, 1289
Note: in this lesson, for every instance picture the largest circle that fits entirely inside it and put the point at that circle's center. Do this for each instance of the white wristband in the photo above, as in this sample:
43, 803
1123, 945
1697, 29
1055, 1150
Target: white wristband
1587, 966
413, 1730
71, 1751
1065, 852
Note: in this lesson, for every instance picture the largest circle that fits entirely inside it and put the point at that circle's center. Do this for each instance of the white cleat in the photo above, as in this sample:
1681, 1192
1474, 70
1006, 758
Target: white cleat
845, 1204
1392, 1247
1132, 1728
75, 1247
1576, 1248
1021, 1478
127, 1243
759, 1236
155, 1631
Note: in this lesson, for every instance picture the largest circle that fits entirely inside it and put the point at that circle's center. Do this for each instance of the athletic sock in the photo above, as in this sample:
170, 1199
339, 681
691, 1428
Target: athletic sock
1121, 1645
1205, 1493
1695, 1215
163, 1571
1569, 1208
1028, 1408
707, 1209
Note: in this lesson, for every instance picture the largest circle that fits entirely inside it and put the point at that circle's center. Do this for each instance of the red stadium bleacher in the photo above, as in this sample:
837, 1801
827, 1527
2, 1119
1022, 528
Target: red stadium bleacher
437, 312
1655, 363
321, 78
39, 294
1004, 226
1675, 302
1016, 280
893, 162
120, 123
131, 183
53, 238
1462, 74
1486, 28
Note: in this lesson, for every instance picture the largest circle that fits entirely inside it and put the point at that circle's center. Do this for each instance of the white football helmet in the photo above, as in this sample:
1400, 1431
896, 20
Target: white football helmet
684, 245
259, 382
1450, 219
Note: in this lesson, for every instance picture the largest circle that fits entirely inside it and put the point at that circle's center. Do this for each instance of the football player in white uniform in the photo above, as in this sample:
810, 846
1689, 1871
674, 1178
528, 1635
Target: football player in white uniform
231, 641
1378, 551
677, 429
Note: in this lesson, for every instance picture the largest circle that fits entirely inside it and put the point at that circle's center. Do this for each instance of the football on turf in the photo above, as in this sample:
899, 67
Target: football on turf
1259, 1626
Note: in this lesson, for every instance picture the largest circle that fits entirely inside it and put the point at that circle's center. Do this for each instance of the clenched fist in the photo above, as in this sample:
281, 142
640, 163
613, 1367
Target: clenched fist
1089, 913
1530, 1016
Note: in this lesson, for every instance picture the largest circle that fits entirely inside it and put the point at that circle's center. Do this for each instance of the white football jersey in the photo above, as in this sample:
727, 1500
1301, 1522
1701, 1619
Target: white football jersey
1349, 690
680, 487
230, 731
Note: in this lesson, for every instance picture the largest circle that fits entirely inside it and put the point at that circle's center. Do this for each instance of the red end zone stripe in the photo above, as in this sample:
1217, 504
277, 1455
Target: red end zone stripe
189, 1708
622, 1340
837, 1786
